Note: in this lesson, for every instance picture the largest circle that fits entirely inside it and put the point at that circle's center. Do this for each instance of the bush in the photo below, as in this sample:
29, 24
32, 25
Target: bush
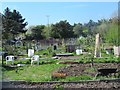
53, 54
45, 53
81, 61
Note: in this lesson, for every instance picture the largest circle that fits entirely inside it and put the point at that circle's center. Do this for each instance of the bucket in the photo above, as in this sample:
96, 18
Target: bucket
78, 51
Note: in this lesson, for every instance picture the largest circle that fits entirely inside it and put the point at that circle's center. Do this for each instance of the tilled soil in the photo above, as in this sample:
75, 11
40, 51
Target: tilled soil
81, 69
110, 85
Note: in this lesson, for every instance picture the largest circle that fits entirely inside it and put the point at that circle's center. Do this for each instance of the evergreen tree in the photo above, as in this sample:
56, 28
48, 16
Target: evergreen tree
37, 32
13, 23
62, 30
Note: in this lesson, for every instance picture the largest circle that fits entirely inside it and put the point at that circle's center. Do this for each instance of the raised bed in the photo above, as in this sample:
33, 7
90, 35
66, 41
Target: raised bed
64, 55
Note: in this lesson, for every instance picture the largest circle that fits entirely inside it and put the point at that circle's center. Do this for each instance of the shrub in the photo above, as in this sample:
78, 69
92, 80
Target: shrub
53, 54
45, 53
81, 61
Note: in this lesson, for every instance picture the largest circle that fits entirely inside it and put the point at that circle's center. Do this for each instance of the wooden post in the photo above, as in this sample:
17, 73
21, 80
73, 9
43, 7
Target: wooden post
97, 46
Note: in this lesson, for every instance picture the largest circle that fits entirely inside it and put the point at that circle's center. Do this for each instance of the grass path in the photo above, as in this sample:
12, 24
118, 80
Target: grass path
32, 73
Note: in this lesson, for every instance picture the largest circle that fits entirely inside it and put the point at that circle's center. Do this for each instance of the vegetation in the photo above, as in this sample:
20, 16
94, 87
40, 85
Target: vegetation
112, 35
78, 78
43, 72
37, 33
35, 73
13, 23
62, 30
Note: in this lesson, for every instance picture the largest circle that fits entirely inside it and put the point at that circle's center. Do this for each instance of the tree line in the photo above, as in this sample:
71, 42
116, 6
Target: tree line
14, 24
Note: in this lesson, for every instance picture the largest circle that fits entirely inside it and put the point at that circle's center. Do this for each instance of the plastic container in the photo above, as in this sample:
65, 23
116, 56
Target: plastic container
78, 51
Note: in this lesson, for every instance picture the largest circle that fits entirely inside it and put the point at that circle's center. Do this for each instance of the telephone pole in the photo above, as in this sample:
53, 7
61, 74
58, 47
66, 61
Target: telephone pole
48, 25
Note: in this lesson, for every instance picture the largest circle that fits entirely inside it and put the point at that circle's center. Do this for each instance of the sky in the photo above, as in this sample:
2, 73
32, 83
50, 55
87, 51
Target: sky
38, 13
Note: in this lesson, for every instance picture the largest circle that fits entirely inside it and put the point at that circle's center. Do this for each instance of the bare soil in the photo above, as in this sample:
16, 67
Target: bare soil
92, 85
84, 69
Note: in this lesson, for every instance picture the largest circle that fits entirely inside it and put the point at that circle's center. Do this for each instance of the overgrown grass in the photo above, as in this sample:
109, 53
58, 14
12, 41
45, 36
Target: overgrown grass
105, 78
44, 61
99, 60
33, 73
43, 53
91, 70
76, 78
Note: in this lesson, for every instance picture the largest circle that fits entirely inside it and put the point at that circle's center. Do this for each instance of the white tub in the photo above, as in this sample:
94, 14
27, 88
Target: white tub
78, 51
